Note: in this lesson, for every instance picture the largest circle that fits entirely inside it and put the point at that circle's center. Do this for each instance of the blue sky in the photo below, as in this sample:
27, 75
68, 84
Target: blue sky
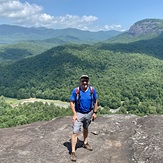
92, 15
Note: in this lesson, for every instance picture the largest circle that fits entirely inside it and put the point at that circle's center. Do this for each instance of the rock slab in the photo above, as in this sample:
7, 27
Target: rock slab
115, 139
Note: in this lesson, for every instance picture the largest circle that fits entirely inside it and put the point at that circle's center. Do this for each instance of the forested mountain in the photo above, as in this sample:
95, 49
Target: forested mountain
128, 76
18, 51
152, 47
18, 42
141, 30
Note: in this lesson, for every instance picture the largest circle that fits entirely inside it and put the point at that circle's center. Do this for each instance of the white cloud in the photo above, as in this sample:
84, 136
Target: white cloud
17, 10
75, 21
26, 14
113, 27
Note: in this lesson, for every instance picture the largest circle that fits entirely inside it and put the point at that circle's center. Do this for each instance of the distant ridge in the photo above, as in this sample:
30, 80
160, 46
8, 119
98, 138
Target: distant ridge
11, 34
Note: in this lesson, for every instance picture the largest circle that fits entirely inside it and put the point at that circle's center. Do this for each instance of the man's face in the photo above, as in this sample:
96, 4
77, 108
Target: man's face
84, 83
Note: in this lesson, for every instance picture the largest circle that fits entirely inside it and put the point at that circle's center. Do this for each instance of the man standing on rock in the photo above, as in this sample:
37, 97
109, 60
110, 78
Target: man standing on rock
83, 103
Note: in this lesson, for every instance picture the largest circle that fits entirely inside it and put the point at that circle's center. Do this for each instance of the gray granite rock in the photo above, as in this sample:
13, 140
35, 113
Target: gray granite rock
115, 139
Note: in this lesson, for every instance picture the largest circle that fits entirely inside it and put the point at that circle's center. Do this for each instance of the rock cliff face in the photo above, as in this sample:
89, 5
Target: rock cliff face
115, 139
147, 26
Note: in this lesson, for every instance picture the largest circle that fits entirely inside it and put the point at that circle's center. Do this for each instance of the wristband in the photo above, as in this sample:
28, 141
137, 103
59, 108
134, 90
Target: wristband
95, 112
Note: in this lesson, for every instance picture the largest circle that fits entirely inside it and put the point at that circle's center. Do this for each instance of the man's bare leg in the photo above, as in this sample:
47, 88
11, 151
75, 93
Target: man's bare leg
85, 135
73, 141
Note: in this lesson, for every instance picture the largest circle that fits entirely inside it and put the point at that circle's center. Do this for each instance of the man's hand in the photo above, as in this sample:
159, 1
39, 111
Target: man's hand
74, 118
94, 116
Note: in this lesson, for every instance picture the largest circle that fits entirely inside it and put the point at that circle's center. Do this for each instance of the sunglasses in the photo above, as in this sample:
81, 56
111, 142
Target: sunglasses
84, 81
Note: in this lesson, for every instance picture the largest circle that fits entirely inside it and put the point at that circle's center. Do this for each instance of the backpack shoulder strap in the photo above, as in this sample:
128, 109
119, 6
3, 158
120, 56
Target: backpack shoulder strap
92, 97
78, 97
77, 90
92, 89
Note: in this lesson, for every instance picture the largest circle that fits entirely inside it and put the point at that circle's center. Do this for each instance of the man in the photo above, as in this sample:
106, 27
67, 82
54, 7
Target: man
83, 103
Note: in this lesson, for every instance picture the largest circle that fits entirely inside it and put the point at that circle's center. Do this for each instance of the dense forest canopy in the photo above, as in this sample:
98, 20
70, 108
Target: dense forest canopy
132, 81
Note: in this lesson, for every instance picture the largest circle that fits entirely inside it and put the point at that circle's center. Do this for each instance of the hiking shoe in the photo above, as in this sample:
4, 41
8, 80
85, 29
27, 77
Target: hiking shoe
73, 157
88, 147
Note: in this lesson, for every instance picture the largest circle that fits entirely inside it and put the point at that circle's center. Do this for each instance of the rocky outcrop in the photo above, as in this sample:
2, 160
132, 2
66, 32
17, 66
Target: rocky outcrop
147, 26
115, 139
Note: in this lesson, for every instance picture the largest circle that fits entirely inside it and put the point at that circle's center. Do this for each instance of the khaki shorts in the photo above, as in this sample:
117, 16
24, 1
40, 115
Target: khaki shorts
83, 120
